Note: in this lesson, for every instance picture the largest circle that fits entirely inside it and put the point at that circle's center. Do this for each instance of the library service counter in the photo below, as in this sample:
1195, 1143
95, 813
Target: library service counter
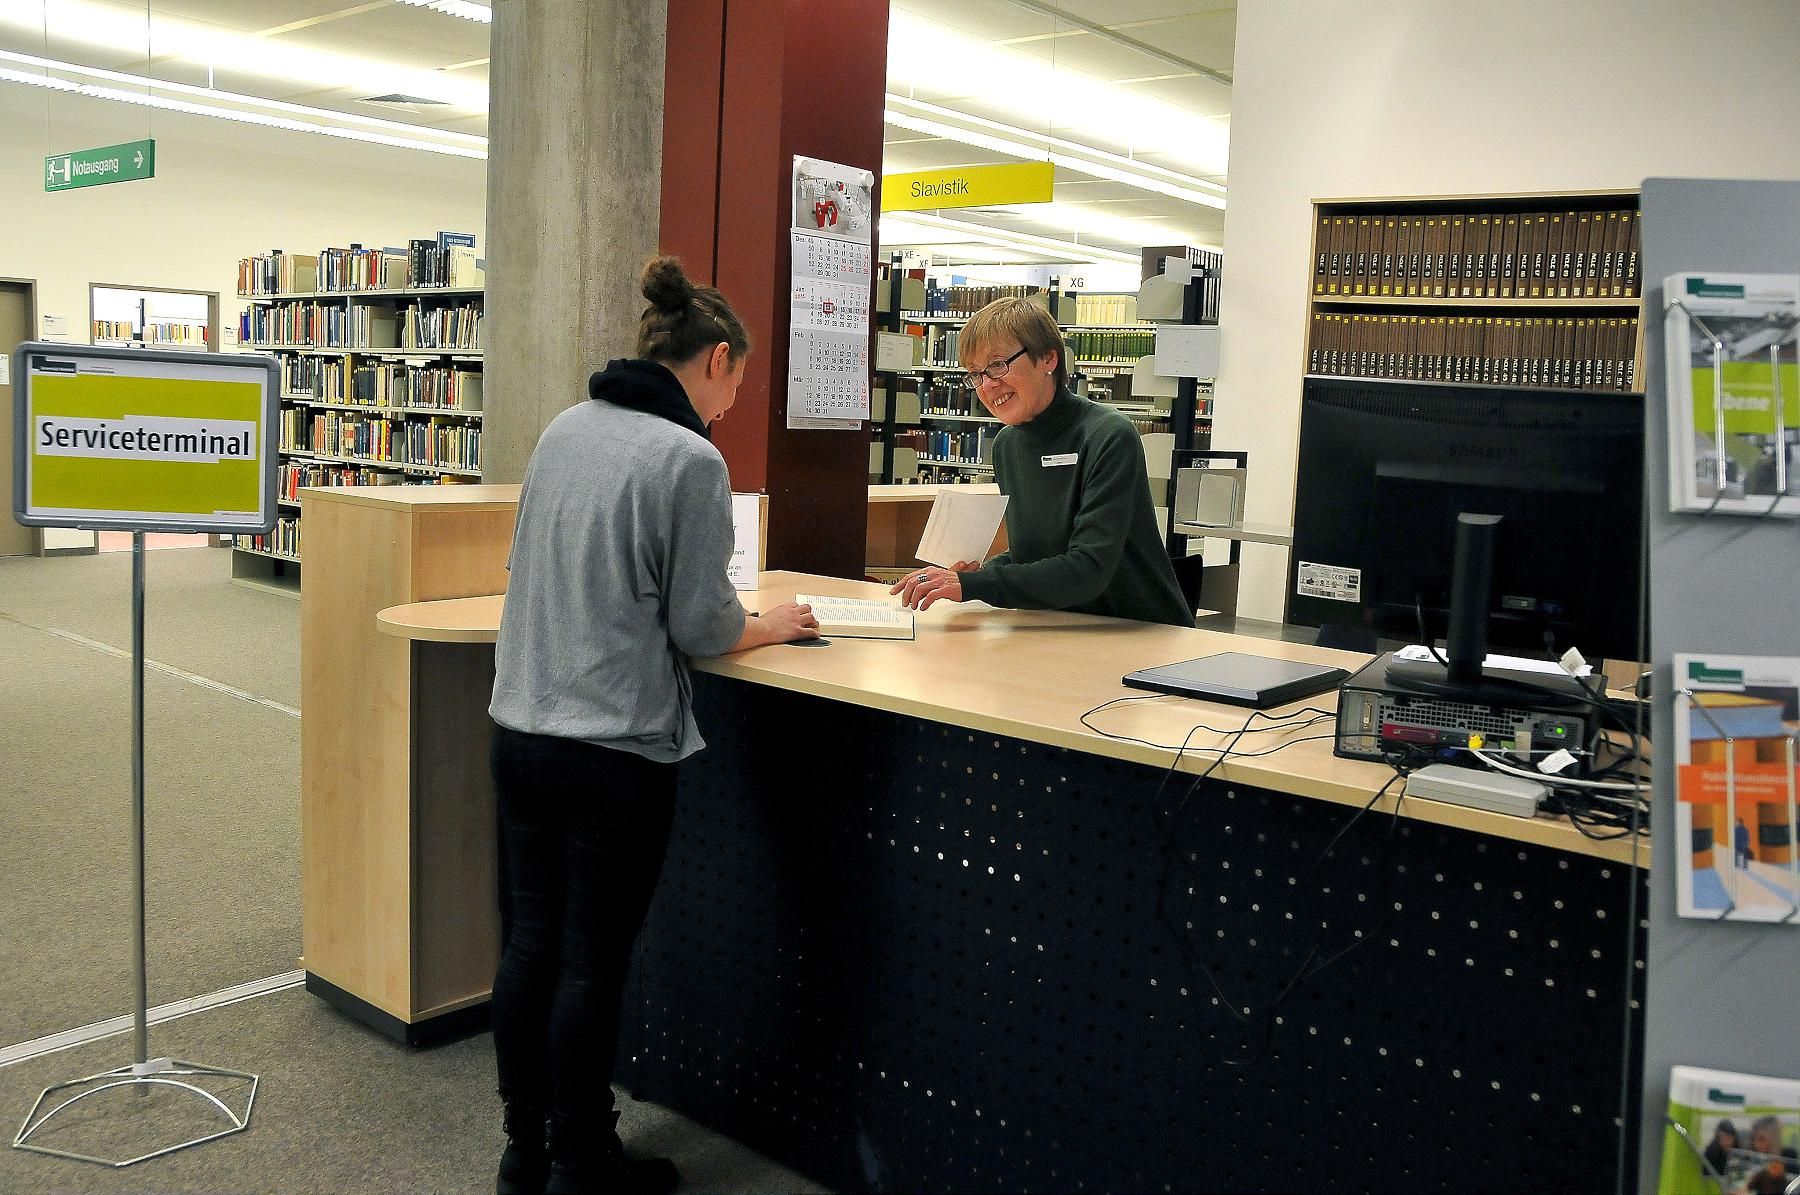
921, 928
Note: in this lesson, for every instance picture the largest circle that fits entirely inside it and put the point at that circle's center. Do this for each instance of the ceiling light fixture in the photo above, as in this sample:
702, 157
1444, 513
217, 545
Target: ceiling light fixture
1022, 143
933, 59
457, 8
932, 227
167, 104
211, 93
192, 49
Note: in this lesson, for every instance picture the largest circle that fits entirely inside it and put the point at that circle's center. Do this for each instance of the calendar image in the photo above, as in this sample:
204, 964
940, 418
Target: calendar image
828, 375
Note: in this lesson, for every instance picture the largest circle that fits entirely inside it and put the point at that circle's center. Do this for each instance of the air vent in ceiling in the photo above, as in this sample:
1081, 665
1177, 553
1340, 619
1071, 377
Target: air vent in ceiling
406, 103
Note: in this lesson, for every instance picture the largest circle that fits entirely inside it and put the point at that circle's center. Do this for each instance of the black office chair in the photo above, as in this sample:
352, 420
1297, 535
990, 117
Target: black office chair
1347, 637
1189, 572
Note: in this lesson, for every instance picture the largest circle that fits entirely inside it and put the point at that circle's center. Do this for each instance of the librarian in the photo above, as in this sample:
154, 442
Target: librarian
1080, 528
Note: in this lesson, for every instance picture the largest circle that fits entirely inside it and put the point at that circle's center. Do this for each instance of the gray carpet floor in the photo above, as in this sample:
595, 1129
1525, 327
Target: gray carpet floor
341, 1109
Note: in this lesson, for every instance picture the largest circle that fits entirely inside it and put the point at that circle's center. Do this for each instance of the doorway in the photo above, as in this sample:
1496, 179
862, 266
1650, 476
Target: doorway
18, 300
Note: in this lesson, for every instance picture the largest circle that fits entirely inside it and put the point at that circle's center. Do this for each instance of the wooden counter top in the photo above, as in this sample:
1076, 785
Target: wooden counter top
926, 493
458, 497
1032, 675
456, 620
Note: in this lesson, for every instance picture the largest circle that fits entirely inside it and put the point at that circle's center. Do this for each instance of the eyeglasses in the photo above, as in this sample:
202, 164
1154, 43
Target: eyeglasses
993, 371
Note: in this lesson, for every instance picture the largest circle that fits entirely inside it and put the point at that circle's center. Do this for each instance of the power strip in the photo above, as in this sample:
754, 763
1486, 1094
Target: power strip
1477, 789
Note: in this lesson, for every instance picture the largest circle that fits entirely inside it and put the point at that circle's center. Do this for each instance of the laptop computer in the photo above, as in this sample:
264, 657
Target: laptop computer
1238, 679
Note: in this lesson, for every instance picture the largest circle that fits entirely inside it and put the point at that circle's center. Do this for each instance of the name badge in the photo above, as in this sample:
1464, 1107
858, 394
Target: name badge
1061, 458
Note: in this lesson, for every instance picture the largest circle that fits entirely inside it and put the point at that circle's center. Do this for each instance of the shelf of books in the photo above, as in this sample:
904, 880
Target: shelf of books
1534, 290
938, 430
380, 353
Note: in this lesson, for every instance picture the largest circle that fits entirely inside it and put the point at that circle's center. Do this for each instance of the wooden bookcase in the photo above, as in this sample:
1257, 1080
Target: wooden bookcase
1527, 289
373, 332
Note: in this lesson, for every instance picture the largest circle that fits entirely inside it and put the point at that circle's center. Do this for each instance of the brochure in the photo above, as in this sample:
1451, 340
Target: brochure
1742, 1133
1736, 718
1733, 336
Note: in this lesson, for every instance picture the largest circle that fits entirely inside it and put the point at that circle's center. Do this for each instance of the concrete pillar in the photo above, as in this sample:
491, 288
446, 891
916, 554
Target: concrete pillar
574, 178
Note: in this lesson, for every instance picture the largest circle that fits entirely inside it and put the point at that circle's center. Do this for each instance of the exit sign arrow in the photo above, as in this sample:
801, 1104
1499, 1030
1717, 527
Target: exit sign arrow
95, 167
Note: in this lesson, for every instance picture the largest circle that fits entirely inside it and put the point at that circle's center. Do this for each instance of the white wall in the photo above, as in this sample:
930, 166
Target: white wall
1337, 98
222, 191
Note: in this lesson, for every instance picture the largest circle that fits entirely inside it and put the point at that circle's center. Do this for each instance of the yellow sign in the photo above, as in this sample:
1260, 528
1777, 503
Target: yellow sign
144, 441
968, 186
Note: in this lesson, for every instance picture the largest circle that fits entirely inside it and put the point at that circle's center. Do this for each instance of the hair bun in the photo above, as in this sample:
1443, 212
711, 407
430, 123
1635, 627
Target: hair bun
666, 285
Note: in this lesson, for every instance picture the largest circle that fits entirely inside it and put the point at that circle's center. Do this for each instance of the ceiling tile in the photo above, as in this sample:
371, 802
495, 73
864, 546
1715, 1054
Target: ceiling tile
1194, 93
247, 16
414, 37
1209, 39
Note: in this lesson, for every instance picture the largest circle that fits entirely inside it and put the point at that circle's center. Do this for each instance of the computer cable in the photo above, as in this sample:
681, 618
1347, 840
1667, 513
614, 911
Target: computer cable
1281, 722
1499, 765
1309, 966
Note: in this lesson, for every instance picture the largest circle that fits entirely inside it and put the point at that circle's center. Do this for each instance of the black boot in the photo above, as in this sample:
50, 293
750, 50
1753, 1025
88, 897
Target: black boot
587, 1159
525, 1164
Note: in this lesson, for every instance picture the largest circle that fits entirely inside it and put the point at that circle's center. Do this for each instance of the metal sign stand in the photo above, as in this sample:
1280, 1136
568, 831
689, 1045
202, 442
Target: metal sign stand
145, 1072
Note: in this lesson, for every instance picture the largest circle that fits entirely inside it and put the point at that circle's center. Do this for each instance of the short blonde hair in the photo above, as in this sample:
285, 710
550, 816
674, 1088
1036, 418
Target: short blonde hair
1022, 320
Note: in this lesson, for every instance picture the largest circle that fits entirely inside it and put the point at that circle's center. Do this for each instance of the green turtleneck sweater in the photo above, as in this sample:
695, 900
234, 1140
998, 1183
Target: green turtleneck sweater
1080, 529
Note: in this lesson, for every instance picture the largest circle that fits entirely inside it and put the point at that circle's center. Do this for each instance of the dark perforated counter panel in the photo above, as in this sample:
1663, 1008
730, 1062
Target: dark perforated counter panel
901, 956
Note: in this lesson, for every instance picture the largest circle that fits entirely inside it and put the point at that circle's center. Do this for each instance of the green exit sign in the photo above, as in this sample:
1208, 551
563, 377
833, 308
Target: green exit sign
93, 167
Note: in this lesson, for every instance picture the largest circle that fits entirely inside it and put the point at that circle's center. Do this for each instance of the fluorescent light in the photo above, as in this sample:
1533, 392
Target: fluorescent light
1022, 143
11, 76
167, 104
931, 230
921, 108
211, 93
928, 57
205, 47
1089, 221
457, 8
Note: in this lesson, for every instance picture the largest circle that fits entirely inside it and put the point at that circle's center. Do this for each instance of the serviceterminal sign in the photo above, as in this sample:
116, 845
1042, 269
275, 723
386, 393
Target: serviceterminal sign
968, 186
139, 440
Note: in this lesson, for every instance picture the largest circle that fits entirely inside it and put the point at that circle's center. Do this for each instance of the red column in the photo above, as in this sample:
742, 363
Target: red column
749, 85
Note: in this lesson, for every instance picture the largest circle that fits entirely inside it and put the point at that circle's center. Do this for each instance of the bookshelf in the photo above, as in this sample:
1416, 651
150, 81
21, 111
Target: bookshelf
928, 428
381, 380
153, 316
1537, 289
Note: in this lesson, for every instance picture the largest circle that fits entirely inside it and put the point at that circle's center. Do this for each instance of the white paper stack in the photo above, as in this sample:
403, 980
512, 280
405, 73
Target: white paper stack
961, 527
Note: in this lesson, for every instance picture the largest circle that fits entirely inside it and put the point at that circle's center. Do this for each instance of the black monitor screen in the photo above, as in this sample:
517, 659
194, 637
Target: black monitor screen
1386, 466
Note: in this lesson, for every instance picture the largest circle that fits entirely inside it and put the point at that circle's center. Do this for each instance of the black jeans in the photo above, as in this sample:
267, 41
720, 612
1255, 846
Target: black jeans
583, 831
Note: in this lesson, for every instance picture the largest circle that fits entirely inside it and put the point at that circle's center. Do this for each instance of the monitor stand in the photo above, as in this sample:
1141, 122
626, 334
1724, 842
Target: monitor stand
1461, 674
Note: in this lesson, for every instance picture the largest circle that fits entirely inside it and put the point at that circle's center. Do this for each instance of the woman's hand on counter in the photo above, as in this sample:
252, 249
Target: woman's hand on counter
786, 623
920, 589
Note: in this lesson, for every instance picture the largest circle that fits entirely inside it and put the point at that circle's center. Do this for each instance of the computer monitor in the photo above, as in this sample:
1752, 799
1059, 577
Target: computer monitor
1386, 466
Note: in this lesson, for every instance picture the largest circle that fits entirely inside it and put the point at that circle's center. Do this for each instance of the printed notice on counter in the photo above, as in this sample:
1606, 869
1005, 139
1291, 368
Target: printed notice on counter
829, 317
1328, 581
746, 540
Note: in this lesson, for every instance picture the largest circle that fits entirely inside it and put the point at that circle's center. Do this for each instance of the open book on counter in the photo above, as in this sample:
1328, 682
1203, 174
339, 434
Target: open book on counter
858, 618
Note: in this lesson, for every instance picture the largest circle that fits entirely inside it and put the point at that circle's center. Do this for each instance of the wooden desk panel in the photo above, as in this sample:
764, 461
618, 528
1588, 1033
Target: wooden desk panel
379, 869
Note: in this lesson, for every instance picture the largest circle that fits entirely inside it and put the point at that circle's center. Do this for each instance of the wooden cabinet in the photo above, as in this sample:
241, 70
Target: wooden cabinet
400, 927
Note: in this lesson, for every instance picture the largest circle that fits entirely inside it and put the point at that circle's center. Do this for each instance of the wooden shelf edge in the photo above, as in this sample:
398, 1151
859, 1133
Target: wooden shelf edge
1461, 303
1629, 193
